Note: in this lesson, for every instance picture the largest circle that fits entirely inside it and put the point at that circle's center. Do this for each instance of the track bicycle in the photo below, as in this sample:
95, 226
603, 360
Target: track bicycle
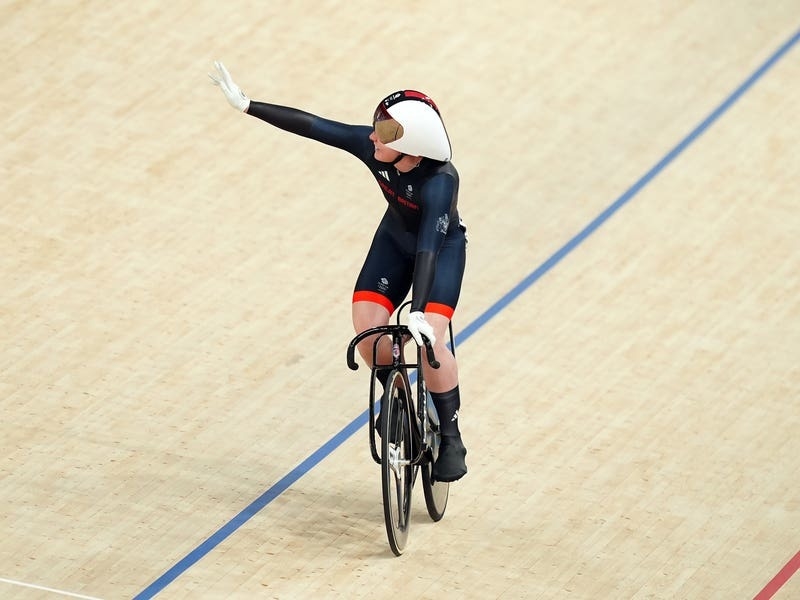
409, 430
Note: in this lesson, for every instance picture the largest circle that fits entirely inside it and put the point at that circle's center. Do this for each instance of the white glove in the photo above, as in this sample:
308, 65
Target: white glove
236, 97
418, 327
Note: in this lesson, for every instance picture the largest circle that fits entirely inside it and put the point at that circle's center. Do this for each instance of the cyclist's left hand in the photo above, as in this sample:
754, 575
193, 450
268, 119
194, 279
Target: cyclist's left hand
418, 326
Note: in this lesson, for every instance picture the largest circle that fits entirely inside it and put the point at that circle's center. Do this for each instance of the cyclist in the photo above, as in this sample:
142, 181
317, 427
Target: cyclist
419, 244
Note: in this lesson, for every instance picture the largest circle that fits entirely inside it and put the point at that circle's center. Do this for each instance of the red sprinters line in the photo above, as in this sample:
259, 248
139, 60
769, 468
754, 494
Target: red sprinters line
780, 579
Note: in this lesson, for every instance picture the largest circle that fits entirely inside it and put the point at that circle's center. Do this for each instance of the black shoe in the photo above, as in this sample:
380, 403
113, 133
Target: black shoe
379, 421
450, 464
378, 425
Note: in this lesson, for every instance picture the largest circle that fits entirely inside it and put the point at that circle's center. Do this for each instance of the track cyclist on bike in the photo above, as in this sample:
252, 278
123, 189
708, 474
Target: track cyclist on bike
420, 243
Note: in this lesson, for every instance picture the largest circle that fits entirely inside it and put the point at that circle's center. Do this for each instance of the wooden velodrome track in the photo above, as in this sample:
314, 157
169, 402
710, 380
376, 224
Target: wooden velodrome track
177, 417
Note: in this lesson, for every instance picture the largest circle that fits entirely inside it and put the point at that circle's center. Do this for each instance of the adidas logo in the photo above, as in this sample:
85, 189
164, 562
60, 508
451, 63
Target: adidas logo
384, 174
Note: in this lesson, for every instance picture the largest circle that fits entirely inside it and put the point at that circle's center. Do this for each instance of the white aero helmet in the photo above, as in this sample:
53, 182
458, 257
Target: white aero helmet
409, 122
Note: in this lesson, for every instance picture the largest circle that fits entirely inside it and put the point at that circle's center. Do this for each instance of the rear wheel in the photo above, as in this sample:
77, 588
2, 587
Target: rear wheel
397, 473
436, 492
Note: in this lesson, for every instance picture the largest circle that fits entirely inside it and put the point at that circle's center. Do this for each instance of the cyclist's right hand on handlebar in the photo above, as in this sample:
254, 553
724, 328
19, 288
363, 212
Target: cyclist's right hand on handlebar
233, 93
418, 326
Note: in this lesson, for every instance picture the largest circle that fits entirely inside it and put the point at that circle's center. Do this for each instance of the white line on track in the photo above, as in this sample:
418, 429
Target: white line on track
47, 589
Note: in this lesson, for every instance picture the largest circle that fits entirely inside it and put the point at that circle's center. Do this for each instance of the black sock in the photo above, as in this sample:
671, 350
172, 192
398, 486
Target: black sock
447, 405
383, 376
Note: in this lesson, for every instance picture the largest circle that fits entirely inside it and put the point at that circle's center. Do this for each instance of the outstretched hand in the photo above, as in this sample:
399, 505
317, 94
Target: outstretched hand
233, 93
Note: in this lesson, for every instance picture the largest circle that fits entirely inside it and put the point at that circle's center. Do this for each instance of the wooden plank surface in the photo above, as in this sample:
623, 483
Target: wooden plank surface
175, 282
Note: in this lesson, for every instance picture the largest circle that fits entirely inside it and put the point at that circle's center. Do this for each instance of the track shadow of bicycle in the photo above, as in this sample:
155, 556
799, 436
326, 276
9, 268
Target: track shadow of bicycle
344, 519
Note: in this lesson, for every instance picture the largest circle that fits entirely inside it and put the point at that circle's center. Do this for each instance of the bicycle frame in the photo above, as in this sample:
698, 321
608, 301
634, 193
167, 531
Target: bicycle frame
399, 336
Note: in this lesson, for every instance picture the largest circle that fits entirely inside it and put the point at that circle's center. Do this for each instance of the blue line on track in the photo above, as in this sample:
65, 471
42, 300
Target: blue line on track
337, 440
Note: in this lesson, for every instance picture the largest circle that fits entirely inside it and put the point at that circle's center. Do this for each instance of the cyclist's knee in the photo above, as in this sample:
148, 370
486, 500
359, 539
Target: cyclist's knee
440, 325
369, 314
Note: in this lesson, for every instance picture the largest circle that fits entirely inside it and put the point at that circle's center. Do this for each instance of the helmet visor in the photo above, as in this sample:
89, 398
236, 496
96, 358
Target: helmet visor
386, 128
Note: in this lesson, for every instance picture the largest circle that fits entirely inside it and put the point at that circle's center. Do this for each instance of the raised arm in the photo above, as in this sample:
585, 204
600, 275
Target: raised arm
351, 138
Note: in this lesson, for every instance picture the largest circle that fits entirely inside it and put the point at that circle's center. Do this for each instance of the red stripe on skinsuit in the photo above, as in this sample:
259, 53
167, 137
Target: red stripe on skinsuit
366, 296
440, 309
